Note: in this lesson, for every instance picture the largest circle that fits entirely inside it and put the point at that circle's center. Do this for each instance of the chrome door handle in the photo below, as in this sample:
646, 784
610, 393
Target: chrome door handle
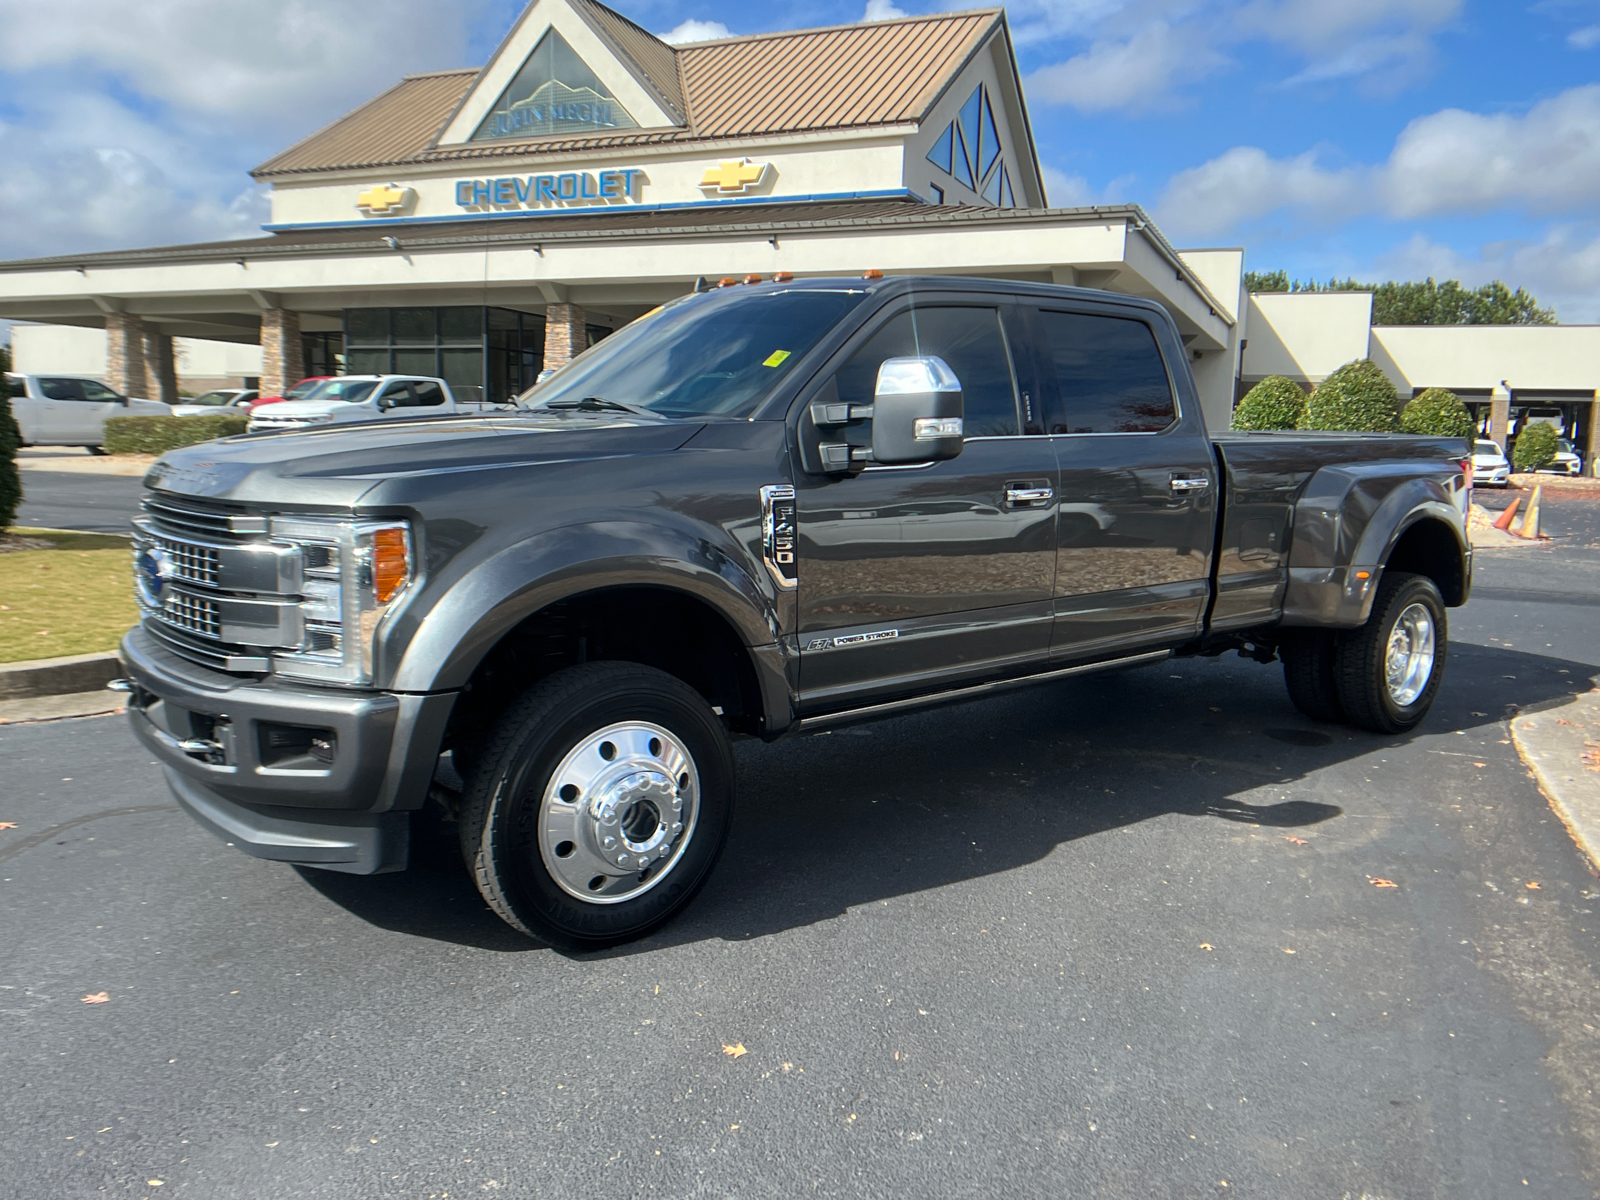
1198, 484
1029, 495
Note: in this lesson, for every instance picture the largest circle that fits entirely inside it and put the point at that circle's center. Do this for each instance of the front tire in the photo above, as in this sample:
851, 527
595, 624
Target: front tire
1389, 670
598, 805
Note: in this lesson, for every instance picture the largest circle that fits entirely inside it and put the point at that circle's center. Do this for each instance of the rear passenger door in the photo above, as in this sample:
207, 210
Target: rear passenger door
1137, 490
56, 409
914, 576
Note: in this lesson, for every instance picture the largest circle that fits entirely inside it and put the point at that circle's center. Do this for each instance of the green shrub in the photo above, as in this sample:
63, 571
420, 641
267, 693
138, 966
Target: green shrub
1535, 448
157, 435
1438, 412
10, 477
1274, 403
1358, 397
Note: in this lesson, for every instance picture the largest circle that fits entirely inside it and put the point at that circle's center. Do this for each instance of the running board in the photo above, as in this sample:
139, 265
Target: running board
891, 708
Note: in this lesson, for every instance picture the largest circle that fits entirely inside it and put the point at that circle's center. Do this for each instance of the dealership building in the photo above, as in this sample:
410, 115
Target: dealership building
485, 224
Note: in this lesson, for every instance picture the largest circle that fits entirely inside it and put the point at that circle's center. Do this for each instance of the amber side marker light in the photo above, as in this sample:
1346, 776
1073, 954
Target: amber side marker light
391, 563
783, 277
728, 281
752, 278
874, 273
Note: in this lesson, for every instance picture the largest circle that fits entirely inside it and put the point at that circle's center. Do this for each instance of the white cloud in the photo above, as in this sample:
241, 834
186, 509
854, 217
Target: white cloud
1586, 38
1074, 191
882, 10
1451, 162
1133, 74
694, 31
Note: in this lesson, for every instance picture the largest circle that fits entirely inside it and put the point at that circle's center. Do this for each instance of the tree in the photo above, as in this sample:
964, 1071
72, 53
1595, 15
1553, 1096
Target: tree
1423, 303
1274, 403
1438, 412
1357, 397
10, 478
1535, 448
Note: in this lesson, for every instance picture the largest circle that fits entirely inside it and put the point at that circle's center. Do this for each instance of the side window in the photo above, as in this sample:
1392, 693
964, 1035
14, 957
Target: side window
61, 389
968, 339
428, 393
399, 395
1109, 375
14, 386
98, 392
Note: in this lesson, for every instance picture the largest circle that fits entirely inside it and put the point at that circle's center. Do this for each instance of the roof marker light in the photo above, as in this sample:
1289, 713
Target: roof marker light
752, 278
727, 281
783, 277
872, 273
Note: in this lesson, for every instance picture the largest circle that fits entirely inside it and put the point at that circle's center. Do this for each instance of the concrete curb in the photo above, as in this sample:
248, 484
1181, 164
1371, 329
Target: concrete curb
58, 676
1560, 742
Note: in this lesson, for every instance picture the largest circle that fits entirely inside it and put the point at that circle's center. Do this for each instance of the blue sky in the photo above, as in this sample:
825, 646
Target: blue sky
1379, 138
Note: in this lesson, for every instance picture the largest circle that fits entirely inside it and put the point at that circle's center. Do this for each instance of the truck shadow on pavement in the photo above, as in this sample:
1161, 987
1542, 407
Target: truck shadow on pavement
831, 821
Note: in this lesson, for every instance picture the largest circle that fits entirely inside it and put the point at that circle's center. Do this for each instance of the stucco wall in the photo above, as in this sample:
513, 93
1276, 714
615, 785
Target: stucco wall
1305, 335
73, 350
1526, 357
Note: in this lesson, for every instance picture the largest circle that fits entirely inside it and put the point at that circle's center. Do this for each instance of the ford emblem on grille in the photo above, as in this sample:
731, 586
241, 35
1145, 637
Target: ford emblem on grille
152, 569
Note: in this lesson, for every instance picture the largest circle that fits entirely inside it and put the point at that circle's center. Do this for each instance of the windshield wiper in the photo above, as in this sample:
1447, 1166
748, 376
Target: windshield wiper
600, 404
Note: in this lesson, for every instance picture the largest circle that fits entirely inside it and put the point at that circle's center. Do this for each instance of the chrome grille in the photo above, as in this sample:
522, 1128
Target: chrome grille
193, 613
193, 563
217, 655
183, 518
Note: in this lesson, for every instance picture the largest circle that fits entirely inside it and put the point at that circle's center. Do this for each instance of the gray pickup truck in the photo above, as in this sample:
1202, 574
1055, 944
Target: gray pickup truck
757, 511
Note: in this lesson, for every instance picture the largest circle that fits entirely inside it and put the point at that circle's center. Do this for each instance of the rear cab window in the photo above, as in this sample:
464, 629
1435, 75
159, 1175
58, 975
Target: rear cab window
1109, 376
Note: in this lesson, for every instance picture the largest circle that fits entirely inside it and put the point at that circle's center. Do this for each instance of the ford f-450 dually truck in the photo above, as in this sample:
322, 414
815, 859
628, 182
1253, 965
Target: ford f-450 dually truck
757, 511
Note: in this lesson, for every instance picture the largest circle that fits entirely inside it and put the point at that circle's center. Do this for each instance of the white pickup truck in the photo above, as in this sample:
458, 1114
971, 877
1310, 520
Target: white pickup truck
350, 398
71, 410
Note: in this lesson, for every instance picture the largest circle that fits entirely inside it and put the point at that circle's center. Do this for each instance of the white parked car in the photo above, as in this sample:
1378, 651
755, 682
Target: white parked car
227, 400
358, 398
71, 410
1490, 467
1566, 461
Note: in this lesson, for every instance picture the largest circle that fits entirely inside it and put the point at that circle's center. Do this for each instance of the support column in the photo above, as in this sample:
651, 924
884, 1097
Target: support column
1593, 447
1500, 416
125, 370
282, 351
160, 368
565, 335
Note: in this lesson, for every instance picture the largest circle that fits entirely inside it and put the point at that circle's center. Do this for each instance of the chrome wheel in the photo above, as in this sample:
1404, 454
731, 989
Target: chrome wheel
618, 812
1408, 660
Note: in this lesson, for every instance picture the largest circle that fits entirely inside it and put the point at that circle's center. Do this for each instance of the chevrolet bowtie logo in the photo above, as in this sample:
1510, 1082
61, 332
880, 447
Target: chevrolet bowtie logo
384, 198
734, 175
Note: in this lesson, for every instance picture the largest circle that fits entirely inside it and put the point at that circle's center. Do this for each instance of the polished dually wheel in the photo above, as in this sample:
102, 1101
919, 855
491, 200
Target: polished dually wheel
618, 812
1408, 659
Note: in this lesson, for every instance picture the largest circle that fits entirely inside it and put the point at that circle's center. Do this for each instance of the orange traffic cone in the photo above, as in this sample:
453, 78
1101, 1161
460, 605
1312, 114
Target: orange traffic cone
1530, 521
1503, 521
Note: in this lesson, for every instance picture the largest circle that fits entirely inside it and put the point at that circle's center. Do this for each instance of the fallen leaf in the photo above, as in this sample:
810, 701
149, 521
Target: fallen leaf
736, 1050
1207, 946
1480, 764
1297, 841
1534, 886
97, 998
1383, 882
1286, 950
154, 1182
8, 824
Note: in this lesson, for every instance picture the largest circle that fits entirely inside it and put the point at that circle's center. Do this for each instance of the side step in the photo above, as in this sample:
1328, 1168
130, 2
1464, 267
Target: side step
891, 708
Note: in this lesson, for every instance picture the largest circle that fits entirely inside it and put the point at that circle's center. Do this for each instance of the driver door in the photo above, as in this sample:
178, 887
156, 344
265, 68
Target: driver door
913, 575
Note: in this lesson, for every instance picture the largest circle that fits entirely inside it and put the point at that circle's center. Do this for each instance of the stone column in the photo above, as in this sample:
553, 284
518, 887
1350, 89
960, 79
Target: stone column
565, 336
125, 371
1500, 416
160, 368
1593, 447
282, 351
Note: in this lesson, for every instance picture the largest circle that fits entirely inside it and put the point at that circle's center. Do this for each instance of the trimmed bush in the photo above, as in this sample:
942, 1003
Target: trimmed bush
1275, 403
157, 435
1535, 448
10, 477
1358, 398
1438, 412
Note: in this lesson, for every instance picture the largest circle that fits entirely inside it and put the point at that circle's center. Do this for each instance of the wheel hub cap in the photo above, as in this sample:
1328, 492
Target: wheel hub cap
1408, 661
618, 812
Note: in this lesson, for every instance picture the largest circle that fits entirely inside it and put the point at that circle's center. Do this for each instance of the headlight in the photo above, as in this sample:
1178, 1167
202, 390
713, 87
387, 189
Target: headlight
354, 573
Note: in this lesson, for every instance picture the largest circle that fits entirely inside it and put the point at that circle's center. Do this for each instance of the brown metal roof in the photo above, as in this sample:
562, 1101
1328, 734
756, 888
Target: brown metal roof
656, 60
848, 76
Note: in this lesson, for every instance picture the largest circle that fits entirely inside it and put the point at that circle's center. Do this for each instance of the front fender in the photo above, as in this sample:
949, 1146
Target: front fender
452, 638
1346, 523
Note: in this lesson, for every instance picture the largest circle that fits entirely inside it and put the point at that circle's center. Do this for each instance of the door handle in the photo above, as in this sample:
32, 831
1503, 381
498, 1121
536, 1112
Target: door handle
1019, 495
1197, 484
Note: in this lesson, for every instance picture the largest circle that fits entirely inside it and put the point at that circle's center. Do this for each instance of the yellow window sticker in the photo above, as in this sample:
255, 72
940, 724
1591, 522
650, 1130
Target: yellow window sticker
775, 359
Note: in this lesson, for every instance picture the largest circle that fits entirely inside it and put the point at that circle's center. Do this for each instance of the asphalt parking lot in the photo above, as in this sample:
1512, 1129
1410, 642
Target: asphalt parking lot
1124, 936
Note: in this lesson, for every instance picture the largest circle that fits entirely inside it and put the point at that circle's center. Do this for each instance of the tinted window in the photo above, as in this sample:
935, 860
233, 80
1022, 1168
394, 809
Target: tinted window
14, 385
968, 339
354, 390
398, 394
1109, 375
96, 391
61, 389
427, 393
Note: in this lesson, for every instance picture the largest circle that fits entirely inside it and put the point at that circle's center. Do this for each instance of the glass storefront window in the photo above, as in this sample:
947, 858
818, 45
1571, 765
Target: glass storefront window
367, 325
462, 324
367, 362
416, 362
415, 326
483, 354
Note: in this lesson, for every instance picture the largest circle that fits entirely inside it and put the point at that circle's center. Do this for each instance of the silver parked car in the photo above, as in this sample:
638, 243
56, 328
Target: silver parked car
224, 400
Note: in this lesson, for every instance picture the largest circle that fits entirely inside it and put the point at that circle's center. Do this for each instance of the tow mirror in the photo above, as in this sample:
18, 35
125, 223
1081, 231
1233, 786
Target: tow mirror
917, 411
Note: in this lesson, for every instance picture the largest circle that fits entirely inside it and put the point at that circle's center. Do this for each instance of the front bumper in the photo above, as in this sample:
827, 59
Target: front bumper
214, 735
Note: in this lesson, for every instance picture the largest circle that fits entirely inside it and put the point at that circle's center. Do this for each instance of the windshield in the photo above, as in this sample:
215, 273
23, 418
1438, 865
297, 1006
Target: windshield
211, 398
353, 390
710, 355
1489, 449
303, 389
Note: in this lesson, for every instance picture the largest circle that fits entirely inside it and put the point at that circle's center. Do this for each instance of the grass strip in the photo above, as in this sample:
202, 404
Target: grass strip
75, 597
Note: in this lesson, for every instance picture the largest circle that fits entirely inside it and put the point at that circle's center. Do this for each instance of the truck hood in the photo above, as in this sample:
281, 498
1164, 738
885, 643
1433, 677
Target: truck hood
333, 466
305, 410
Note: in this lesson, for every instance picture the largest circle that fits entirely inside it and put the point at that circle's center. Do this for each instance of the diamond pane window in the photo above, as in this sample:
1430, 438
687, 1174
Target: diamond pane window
555, 93
964, 161
971, 112
991, 190
989, 144
943, 149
